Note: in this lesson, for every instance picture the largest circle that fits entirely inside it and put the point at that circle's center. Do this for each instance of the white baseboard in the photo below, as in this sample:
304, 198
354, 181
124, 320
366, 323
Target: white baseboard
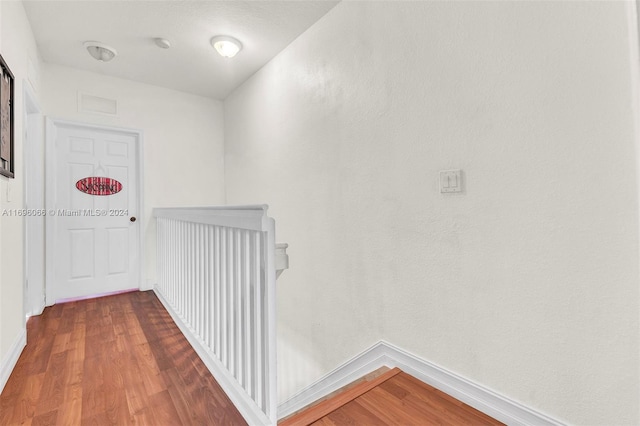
474, 394
148, 285
358, 366
36, 312
11, 358
385, 354
247, 408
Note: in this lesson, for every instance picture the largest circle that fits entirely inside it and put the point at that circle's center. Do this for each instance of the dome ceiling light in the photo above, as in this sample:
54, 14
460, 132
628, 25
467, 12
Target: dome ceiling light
227, 47
99, 51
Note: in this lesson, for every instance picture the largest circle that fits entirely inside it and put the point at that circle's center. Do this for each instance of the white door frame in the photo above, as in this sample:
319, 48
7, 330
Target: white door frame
34, 235
51, 179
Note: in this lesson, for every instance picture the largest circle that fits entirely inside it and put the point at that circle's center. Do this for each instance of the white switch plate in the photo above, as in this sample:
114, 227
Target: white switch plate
450, 181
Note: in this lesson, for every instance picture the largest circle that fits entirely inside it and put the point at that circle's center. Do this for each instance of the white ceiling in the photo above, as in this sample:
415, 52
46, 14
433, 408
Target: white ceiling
191, 64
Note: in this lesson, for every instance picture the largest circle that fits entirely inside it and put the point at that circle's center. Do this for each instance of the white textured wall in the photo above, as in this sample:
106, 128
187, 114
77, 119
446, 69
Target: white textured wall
18, 48
528, 282
183, 138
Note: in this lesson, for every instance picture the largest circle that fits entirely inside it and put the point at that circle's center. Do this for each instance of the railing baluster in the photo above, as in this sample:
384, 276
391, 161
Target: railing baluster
224, 283
254, 282
194, 278
181, 259
201, 280
247, 354
259, 310
207, 287
185, 266
189, 280
229, 302
217, 322
237, 306
174, 250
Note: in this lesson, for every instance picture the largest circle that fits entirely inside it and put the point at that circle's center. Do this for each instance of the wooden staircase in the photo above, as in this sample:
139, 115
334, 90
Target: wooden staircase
388, 397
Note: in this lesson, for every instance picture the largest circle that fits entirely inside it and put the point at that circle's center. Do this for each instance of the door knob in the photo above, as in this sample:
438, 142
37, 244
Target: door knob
132, 218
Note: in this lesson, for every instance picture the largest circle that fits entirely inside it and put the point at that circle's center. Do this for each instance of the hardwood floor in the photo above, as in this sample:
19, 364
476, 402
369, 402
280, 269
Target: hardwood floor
121, 360
393, 398
116, 360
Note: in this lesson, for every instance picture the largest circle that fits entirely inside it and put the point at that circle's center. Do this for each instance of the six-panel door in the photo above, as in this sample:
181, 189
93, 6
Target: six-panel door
96, 243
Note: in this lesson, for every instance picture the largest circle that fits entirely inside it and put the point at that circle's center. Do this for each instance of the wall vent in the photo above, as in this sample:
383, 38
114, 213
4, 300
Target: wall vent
96, 104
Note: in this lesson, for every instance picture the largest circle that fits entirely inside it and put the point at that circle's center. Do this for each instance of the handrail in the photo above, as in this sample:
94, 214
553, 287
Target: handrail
216, 277
243, 217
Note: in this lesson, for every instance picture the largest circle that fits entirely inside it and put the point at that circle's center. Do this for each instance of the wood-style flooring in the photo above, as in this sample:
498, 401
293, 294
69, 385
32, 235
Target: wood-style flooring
391, 398
121, 360
116, 360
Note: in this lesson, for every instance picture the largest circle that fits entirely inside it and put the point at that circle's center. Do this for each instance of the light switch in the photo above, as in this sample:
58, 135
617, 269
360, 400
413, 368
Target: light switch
450, 181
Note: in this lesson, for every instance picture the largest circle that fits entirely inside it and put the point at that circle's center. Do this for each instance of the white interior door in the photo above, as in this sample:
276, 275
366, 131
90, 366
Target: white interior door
93, 186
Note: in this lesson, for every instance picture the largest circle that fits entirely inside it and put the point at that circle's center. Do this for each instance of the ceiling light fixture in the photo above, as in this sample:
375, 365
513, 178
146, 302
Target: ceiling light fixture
99, 51
227, 47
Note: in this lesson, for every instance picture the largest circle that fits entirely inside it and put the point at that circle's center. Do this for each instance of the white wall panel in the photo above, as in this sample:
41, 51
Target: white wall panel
19, 50
527, 282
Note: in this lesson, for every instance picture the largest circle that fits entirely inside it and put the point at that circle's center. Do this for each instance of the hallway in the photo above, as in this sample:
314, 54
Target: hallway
112, 360
121, 360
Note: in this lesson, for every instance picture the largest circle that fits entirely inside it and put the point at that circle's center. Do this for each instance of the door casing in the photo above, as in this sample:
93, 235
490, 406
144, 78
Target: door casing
34, 228
50, 153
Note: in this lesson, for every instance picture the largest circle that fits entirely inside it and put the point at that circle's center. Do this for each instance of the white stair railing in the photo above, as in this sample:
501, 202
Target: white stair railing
216, 277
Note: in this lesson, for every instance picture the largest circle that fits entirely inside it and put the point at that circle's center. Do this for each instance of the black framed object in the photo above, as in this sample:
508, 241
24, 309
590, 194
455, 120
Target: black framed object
6, 120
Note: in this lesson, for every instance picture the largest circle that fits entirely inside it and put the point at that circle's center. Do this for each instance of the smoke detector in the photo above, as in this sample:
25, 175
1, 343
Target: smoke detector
99, 51
162, 43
